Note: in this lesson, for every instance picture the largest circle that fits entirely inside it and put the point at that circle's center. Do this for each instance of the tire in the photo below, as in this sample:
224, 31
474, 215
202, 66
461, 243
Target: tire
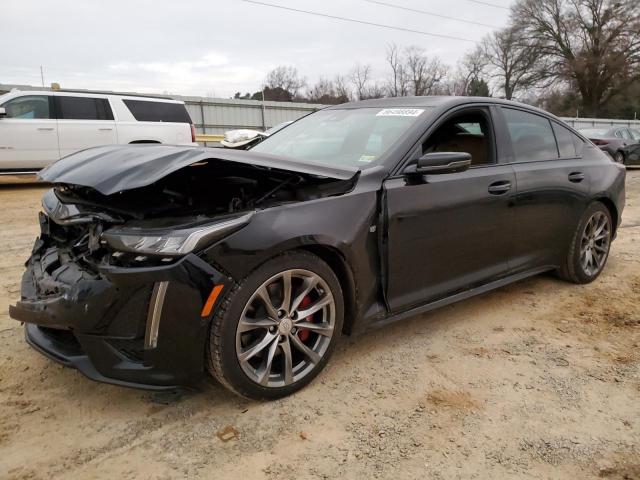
588, 242
249, 350
619, 157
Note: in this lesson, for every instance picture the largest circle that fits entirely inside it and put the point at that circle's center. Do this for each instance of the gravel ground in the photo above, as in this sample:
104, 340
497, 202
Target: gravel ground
536, 380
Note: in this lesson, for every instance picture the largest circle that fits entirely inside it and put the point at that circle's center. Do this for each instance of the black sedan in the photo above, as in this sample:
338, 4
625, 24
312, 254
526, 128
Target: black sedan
632, 154
613, 141
156, 263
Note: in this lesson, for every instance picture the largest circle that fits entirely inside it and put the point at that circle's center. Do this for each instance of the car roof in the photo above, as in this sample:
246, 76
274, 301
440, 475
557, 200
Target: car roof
93, 93
443, 101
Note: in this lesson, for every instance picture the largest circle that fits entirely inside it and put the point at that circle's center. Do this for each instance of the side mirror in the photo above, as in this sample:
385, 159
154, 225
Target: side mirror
440, 162
3, 112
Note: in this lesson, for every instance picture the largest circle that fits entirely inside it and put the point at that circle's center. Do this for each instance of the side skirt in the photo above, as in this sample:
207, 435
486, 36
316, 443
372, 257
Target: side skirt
457, 297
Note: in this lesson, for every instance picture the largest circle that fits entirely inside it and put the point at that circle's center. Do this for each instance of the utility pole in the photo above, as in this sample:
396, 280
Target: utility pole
42, 75
264, 125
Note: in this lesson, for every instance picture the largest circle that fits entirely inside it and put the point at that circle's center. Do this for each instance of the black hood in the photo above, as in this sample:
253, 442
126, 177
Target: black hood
116, 168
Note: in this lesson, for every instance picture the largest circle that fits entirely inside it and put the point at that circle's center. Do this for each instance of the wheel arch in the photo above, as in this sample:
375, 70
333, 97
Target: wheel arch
613, 210
338, 263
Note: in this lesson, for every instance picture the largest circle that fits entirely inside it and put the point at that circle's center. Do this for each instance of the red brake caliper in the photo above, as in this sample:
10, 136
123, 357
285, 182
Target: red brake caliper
303, 333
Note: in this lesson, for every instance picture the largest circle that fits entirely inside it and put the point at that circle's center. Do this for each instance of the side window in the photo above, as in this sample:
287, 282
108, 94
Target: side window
30, 106
569, 144
149, 111
626, 134
83, 108
635, 134
531, 136
468, 132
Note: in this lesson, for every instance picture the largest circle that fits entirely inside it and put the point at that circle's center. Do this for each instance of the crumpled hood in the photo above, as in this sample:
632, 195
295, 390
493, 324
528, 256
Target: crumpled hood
116, 168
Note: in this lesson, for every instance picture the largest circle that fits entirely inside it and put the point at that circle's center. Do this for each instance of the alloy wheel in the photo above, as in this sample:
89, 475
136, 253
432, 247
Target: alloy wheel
285, 328
594, 245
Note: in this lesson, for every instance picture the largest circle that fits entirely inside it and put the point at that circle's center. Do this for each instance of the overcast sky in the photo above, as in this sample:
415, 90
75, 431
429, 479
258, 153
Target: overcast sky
220, 47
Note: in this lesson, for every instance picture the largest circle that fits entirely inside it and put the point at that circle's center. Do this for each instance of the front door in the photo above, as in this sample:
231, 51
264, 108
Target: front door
28, 133
450, 232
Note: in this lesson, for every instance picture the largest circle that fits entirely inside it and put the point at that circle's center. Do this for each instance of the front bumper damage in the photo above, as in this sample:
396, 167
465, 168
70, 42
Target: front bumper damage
137, 327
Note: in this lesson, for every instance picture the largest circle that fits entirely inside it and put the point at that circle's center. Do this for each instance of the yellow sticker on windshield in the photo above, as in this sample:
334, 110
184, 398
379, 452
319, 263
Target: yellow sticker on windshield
367, 158
399, 112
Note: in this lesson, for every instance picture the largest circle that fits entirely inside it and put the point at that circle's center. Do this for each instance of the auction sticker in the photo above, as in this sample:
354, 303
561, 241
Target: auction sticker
399, 112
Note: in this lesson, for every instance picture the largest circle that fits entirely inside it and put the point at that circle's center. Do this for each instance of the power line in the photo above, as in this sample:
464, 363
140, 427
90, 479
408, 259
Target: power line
489, 4
430, 13
363, 22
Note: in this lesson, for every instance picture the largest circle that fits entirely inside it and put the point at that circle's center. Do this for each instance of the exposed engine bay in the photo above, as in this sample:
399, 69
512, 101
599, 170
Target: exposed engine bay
209, 188
80, 221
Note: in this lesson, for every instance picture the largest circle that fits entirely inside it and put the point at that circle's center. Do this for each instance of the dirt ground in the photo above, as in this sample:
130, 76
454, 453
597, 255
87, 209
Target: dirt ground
536, 380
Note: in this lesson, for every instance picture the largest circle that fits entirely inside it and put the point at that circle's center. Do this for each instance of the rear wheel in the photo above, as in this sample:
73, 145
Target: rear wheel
589, 248
277, 328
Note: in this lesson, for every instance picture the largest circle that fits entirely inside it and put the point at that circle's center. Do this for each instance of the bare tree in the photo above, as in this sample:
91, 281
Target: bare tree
514, 63
374, 90
398, 85
471, 69
592, 44
325, 91
286, 78
342, 88
425, 73
322, 89
360, 77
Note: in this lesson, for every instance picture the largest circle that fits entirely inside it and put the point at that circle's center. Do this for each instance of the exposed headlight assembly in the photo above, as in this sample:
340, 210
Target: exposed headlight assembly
172, 242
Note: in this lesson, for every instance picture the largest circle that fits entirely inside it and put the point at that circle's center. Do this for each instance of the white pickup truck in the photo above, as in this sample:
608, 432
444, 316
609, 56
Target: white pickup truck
39, 127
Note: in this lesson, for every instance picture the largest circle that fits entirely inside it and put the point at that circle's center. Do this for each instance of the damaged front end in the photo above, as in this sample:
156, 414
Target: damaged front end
115, 285
113, 315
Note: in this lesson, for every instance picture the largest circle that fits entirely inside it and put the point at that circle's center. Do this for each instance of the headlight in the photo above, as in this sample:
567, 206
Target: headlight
172, 242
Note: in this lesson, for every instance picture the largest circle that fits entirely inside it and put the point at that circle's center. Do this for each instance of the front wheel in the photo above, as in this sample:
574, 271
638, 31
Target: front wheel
276, 330
589, 248
619, 157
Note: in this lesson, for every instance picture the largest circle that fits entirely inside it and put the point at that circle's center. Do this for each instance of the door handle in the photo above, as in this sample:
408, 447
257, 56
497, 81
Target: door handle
45, 129
105, 129
498, 188
576, 177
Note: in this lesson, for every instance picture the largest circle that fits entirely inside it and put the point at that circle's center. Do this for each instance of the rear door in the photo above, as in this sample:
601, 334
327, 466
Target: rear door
84, 122
28, 133
154, 121
553, 184
449, 232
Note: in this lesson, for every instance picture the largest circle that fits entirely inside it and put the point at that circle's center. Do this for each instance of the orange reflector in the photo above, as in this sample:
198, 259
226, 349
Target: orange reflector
213, 296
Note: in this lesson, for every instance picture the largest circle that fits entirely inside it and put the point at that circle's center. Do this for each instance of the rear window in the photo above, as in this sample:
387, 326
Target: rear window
83, 108
569, 144
531, 136
147, 111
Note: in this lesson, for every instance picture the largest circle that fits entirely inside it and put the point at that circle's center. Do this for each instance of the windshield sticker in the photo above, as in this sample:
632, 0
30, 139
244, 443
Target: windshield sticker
400, 112
367, 158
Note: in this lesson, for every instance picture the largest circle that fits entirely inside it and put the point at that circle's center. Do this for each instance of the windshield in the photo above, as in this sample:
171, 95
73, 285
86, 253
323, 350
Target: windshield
593, 132
277, 128
350, 137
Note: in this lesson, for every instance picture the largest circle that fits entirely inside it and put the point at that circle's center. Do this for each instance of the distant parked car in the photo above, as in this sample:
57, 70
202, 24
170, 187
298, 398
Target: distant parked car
39, 127
632, 154
244, 139
613, 140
